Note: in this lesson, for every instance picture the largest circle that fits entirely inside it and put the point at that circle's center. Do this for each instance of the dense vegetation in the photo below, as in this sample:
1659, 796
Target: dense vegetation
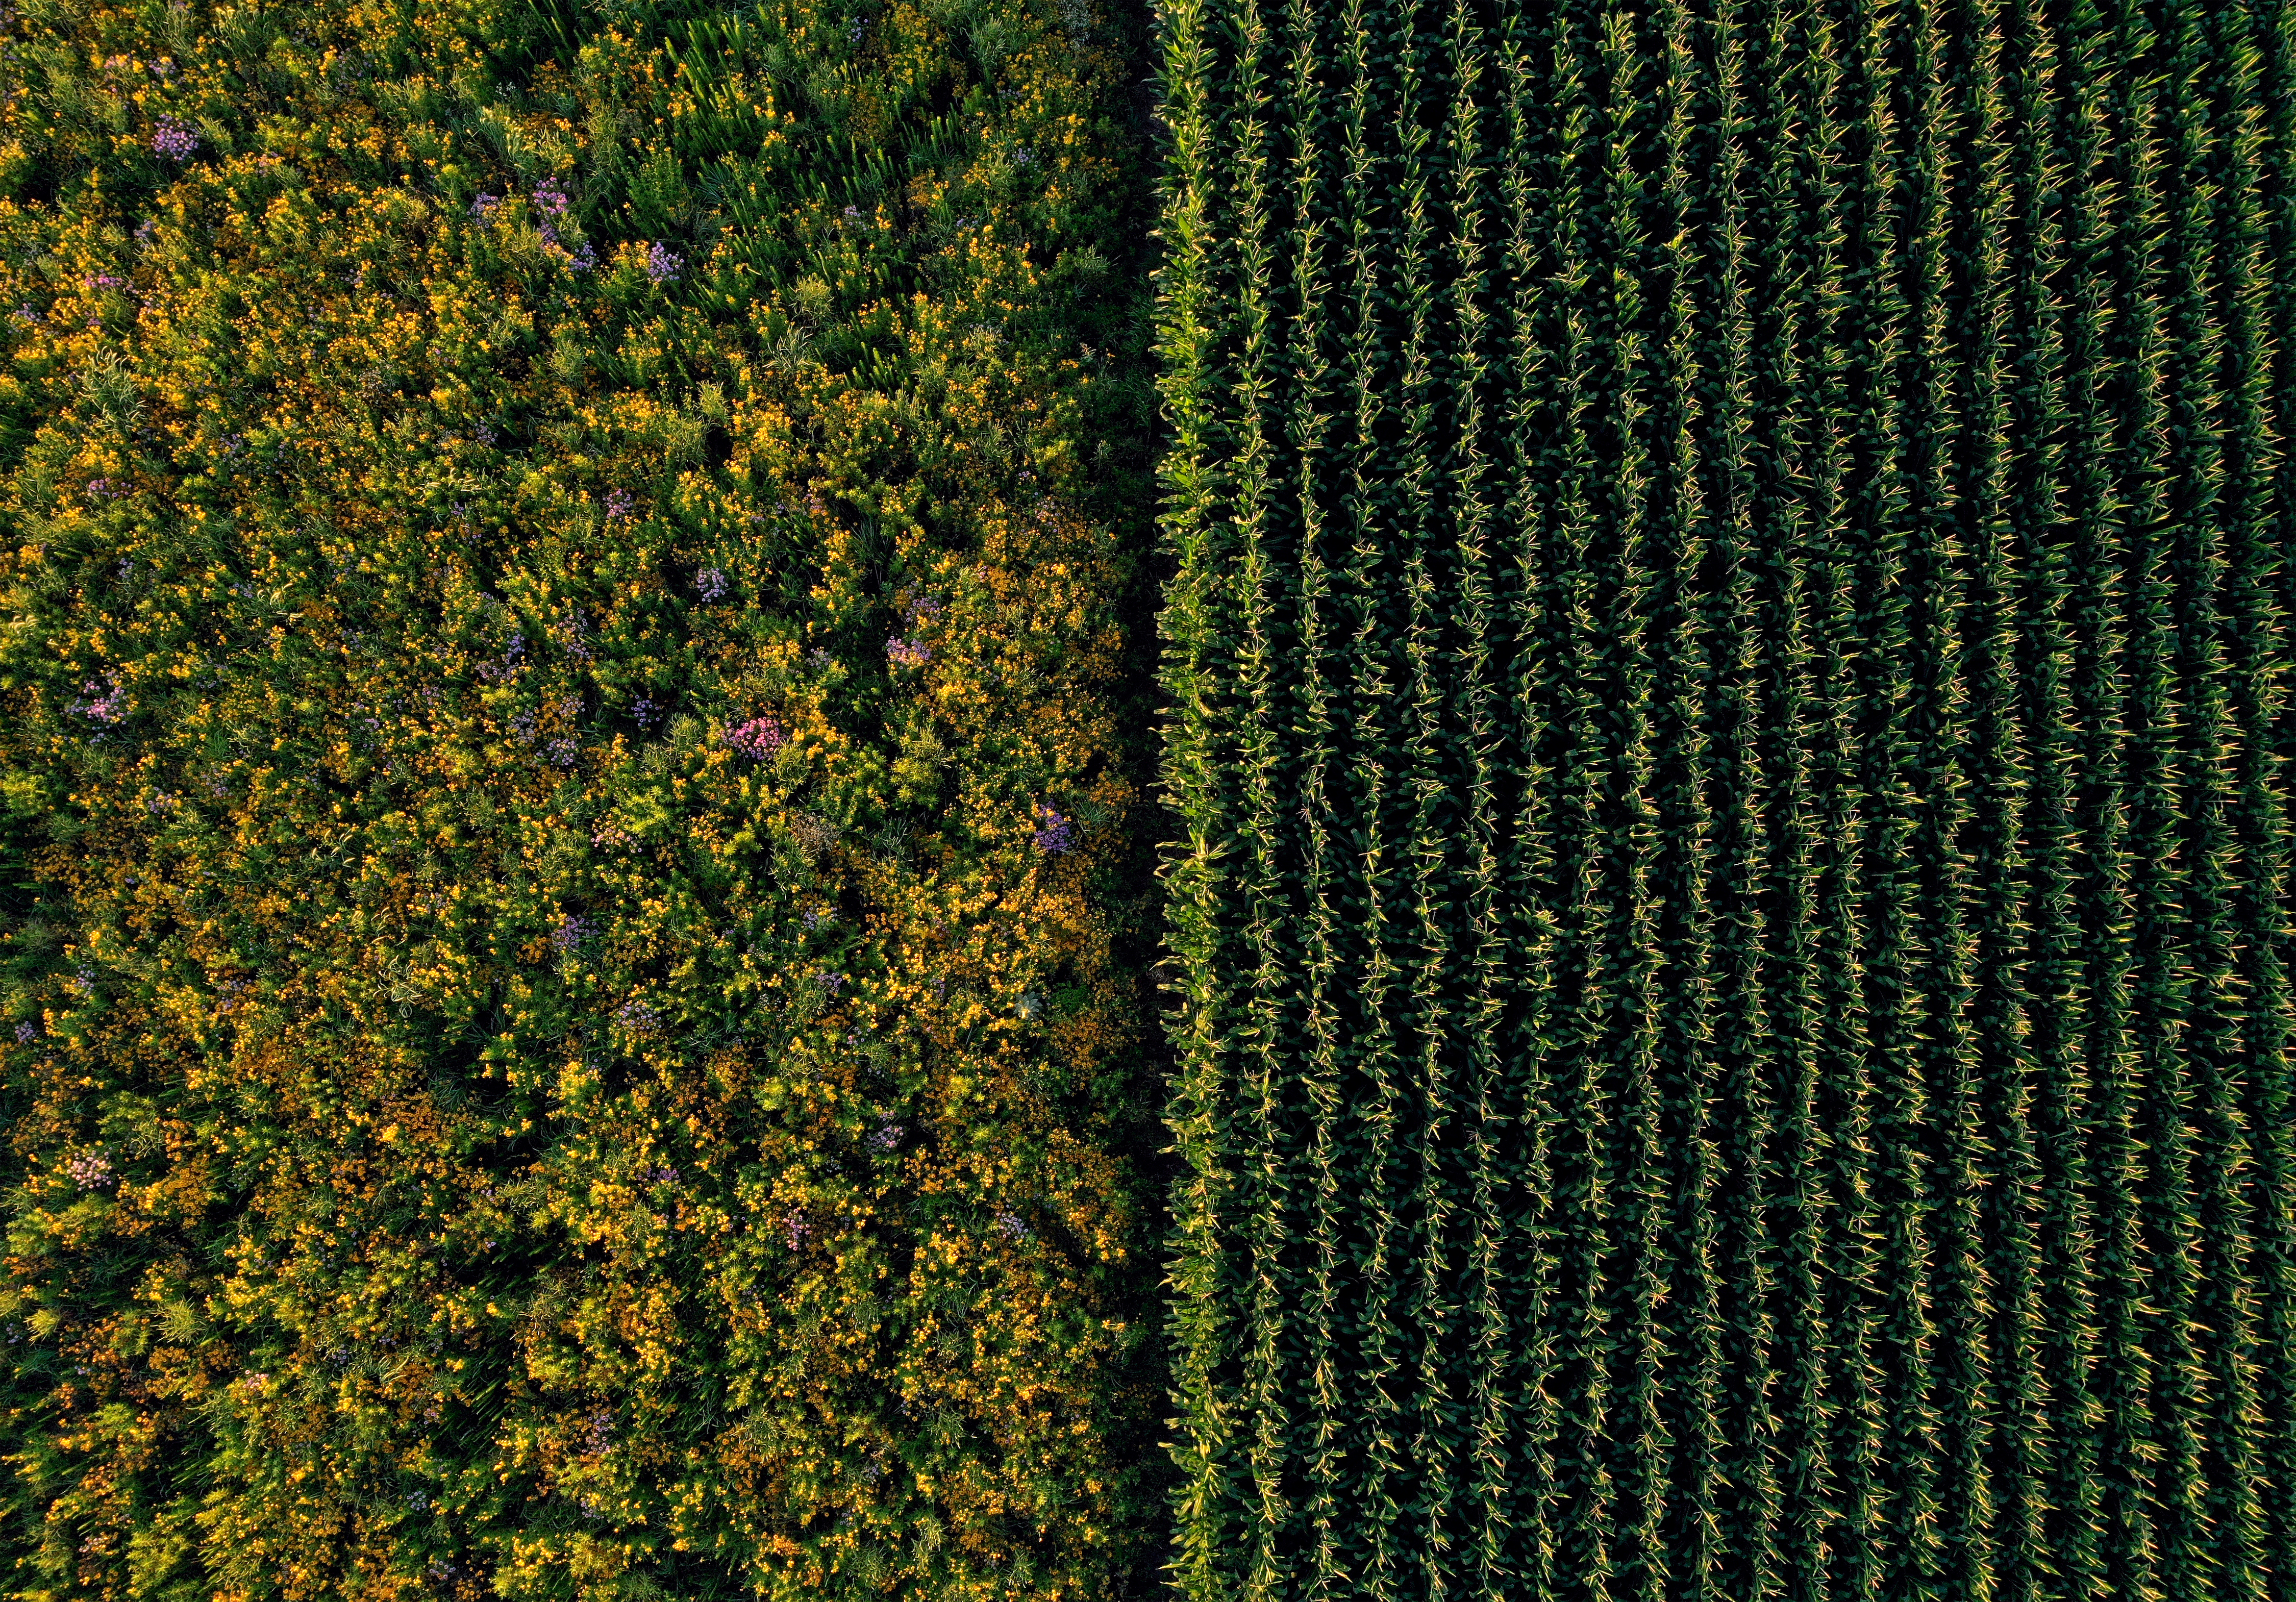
571, 1021
572, 952
1729, 666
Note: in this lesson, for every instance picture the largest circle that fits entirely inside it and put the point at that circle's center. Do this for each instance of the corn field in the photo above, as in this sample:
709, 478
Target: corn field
1726, 656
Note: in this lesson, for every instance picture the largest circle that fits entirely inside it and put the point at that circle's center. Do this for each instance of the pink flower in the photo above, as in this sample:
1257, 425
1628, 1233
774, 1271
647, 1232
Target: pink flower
106, 705
756, 738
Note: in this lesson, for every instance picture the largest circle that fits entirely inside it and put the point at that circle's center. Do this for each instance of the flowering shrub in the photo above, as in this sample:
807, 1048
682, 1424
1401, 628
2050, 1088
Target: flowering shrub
449, 1242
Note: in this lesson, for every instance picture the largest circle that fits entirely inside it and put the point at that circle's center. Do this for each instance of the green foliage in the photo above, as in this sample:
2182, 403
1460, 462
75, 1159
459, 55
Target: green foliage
565, 803
1726, 652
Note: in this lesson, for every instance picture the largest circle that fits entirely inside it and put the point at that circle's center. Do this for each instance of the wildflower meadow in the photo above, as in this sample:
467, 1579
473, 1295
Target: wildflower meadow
556, 562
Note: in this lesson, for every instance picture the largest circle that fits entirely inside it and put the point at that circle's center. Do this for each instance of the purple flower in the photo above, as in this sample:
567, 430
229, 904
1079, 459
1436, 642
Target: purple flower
662, 263
583, 260
710, 584
886, 1137
26, 315
1054, 832
563, 753
756, 738
484, 207
174, 139
907, 654
573, 632
104, 281
796, 1227
1010, 1226
646, 710
26, 1033
619, 504
853, 216
636, 1017
832, 982
550, 200
484, 433
107, 705
90, 1169
570, 933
